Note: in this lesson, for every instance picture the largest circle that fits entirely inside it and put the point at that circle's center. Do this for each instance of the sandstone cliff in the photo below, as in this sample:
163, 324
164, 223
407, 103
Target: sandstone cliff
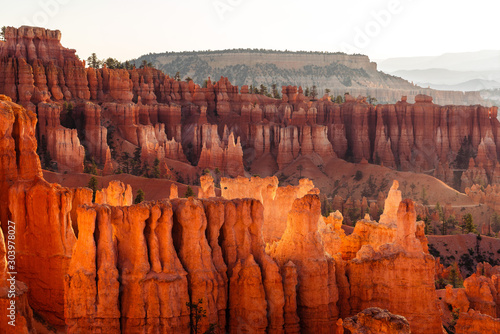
112, 112
115, 267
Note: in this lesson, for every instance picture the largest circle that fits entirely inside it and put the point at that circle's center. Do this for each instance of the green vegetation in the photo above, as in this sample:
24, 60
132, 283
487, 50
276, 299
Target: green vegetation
196, 313
243, 74
423, 196
140, 196
314, 92
468, 225
145, 64
189, 192
156, 168
93, 186
2, 33
440, 213
371, 100
112, 63
454, 278
93, 61
135, 166
90, 167
455, 314
354, 215
358, 176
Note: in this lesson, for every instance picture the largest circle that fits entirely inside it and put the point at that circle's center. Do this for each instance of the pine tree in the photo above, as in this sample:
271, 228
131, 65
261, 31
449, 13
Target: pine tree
93, 185
156, 168
93, 61
314, 92
140, 196
468, 225
189, 192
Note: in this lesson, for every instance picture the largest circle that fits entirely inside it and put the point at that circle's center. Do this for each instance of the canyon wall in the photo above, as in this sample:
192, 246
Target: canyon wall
110, 112
115, 267
131, 268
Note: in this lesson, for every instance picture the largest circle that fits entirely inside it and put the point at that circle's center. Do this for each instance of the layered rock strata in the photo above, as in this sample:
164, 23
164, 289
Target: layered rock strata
222, 126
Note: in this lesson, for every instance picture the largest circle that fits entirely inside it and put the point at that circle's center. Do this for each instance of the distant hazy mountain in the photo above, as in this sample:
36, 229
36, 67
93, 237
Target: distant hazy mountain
441, 76
487, 60
469, 71
468, 86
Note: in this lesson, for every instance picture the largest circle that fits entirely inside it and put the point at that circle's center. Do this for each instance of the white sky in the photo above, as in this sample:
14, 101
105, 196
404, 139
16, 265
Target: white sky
126, 29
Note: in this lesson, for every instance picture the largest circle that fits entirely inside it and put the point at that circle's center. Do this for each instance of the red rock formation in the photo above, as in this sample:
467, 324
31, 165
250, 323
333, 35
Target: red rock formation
62, 143
18, 149
17, 316
277, 200
482, 294
490, 196
42, 267
474, 175
288, 148
407, 258
213, 155
36, 68
376, 320
475, 322
126, 271
317, 292
116, 194
290, 281
150, 271
207, 189
457, 298
174, 191
95, 134
331, 232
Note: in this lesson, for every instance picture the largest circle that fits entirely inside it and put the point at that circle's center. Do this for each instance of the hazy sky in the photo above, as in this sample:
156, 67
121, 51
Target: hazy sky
126, 29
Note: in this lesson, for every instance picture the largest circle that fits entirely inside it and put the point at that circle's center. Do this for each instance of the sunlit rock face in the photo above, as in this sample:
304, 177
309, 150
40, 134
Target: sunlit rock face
277, 201
134, 267
113, 267
376, 320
